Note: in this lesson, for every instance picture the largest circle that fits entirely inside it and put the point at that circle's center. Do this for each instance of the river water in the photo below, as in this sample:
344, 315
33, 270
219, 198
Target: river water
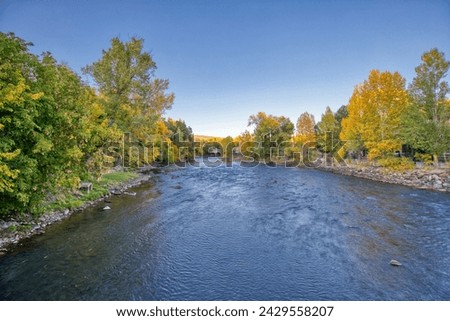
242, 233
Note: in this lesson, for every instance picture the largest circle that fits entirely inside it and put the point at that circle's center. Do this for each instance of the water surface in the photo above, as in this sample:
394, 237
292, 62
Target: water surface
243, 234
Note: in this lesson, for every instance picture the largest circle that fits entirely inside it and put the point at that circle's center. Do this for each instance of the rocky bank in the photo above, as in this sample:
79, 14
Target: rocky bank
15, 230
437, 179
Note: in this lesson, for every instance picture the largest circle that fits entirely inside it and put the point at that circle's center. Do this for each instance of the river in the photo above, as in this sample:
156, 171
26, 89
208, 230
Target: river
242, 233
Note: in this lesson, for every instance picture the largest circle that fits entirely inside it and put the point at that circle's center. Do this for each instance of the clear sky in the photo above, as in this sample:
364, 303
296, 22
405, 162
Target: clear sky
228, 59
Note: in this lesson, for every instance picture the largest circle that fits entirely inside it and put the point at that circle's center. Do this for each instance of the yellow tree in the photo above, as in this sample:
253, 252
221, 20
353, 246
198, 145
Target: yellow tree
305, 128
374, 113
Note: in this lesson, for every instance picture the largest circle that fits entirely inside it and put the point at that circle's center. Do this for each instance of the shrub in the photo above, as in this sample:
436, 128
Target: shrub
397, 163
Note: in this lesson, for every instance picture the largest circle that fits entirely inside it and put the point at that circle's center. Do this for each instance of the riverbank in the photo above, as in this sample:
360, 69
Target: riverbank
437, 179
16, 229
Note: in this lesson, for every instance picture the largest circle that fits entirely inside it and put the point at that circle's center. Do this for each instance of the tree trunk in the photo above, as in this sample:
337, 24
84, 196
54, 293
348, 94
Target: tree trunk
436, 160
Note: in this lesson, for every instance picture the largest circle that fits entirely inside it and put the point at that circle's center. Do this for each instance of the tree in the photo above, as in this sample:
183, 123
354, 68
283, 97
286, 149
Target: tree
305, 128
53, 126
182, 138
327, 132
427, 125
227, 144
374, 113
132, 97
339, 115
270, 131
246, 143
21, 143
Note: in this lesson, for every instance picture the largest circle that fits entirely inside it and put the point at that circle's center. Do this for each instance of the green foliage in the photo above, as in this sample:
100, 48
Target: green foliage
227, 144
327, 132
340, 114
270, 131
54, 127
132, 97
427, 159
427, 126
182, 138
22, 142
99, 189
112, 179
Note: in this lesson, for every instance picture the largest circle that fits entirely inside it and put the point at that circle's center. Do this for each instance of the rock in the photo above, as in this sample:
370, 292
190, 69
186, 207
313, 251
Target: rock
395, 263
130, 193
437, 185
106, 208
66, 211
86, 186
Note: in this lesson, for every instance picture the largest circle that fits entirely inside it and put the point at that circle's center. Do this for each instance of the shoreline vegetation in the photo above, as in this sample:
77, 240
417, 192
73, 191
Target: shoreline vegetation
14, 229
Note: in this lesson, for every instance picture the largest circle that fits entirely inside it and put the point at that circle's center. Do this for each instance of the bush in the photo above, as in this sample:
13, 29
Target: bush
426, 159
397, 163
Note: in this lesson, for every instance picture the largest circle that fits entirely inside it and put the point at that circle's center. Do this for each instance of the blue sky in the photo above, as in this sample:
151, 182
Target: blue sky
229, 59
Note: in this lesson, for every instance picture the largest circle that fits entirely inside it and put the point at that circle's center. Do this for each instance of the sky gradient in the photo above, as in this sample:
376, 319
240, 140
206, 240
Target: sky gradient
229, 59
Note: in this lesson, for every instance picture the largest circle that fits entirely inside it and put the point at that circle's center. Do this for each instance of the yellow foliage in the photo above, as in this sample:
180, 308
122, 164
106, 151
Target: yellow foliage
13, 93
374, 114
36, 96
305, 129
397, 163
7, 175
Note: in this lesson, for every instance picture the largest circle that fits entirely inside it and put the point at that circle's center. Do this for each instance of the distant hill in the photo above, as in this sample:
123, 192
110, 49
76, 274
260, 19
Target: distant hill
200, 138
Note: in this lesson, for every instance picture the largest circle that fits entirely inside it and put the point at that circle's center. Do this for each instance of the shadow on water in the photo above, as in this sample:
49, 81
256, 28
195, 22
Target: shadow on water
239, 233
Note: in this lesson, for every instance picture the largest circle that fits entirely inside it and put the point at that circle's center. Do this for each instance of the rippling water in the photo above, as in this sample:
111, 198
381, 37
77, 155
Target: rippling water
243, 234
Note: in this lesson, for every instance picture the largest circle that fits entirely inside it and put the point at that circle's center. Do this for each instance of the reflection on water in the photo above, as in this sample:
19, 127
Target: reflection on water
243, 234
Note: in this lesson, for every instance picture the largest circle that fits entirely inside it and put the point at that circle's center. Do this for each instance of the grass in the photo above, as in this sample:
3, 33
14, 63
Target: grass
20, 228
99, 189
112, 179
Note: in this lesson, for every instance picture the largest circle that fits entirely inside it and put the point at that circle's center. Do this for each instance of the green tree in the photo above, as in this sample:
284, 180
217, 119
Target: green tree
21, 140
133, 98
327, 131
62, 124
270, 131
340, 114
227, 146
50, 127
182, 138
427, 125
245, 140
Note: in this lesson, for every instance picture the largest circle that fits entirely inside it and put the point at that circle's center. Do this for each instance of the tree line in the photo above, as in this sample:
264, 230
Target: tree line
383, 118
54, 126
